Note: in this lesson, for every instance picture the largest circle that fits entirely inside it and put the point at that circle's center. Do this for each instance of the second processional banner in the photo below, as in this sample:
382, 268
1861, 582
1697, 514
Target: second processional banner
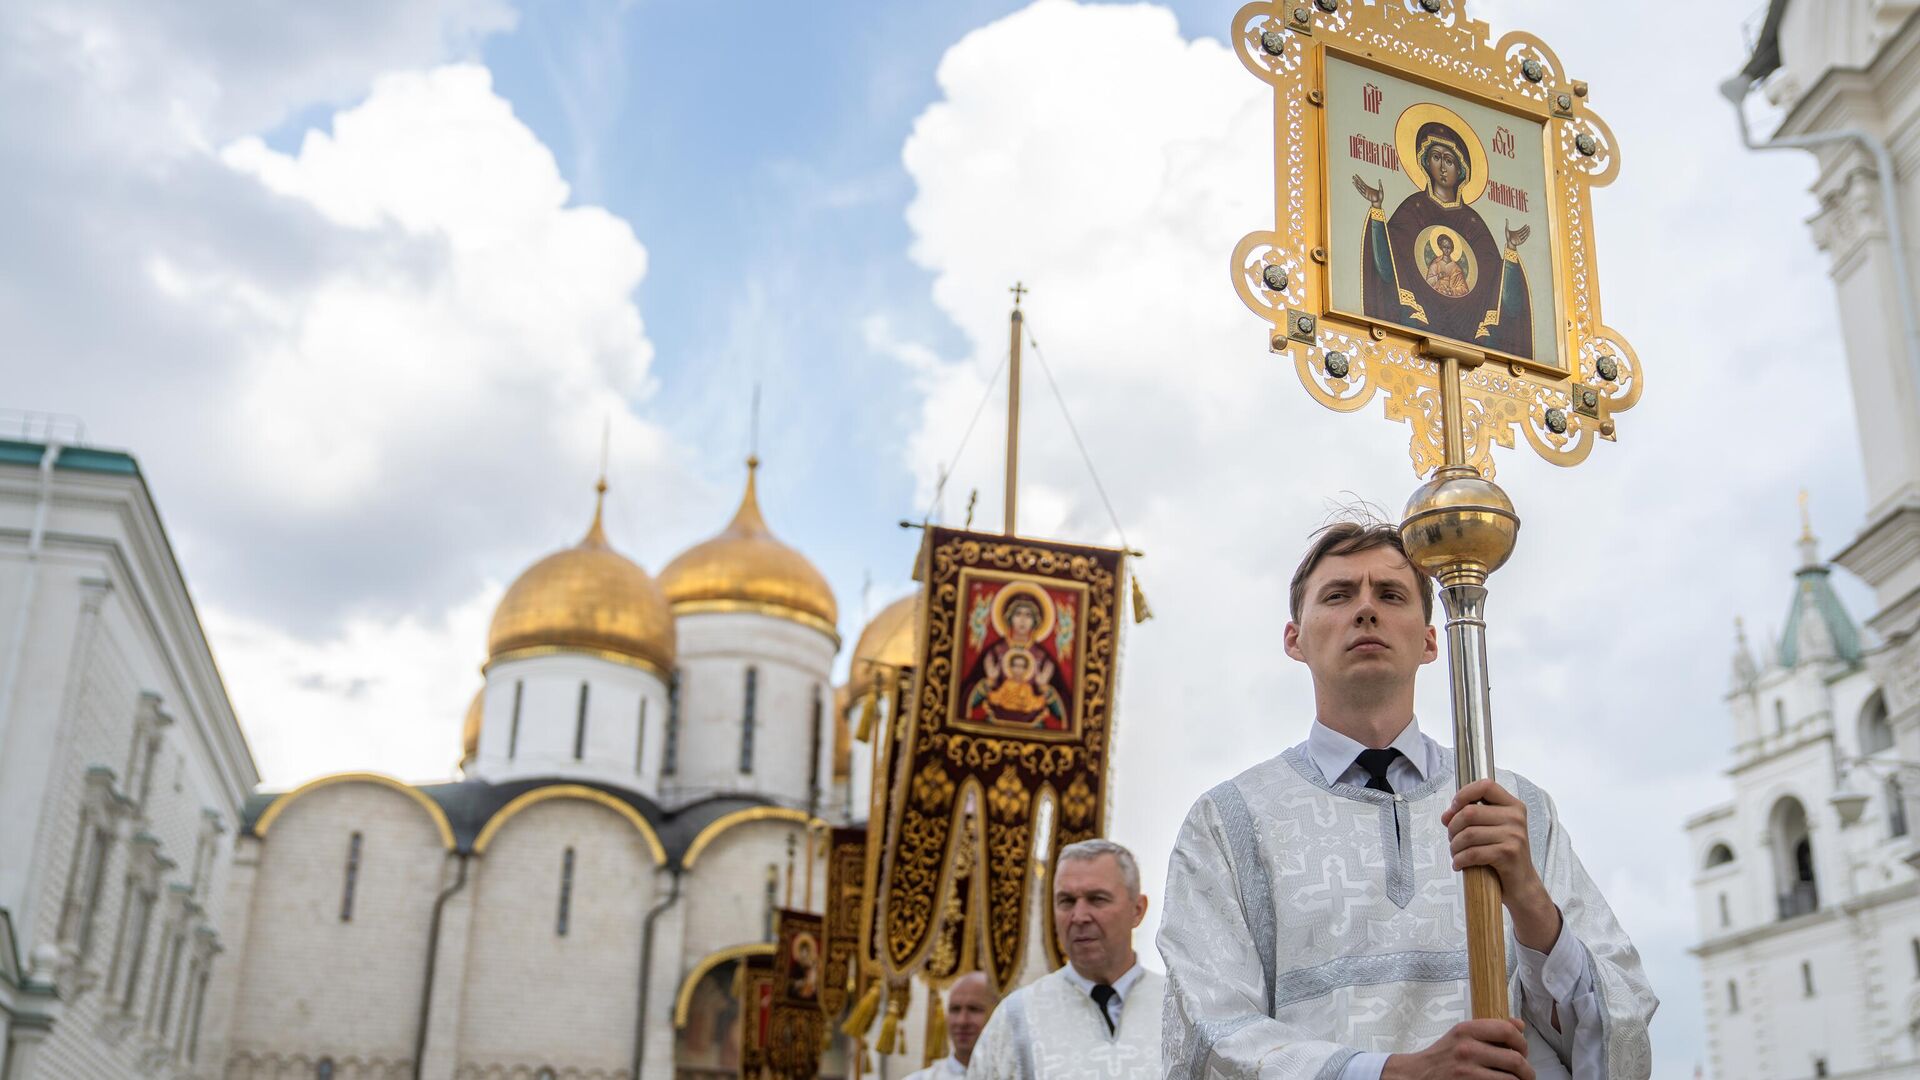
1014, 700
794, 1033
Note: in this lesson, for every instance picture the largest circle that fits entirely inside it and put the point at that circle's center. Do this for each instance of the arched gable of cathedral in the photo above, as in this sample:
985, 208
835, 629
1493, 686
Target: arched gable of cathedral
279, 804
563, 878
346, 871
622, 808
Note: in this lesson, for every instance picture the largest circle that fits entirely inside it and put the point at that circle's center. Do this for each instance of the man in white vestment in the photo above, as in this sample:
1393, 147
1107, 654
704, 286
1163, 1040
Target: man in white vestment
1098, 1016
1315, 927
970, 1001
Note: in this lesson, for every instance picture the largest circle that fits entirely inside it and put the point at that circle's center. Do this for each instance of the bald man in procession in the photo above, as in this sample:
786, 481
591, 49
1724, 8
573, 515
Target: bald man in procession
970, 1000
1315, 927
1099, 1014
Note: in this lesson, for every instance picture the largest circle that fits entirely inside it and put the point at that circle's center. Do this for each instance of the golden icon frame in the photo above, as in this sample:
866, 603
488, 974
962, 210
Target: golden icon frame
1345, 361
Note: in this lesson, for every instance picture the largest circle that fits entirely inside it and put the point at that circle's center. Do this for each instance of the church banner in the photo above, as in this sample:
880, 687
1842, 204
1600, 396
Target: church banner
846, 892
797, 1025
890, 739
1013, 702
756, 1015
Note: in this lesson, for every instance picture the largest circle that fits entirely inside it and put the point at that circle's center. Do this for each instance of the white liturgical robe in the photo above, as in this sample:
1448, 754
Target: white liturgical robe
947, 1068
1051, 1029
1314, 926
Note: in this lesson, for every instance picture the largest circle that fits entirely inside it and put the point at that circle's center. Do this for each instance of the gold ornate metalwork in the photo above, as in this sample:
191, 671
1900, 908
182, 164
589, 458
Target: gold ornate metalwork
946, 767
1560, 409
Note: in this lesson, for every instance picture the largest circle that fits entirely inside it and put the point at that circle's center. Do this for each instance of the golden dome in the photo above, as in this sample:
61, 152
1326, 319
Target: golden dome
470, 731
587, 598
889, 640
746, 568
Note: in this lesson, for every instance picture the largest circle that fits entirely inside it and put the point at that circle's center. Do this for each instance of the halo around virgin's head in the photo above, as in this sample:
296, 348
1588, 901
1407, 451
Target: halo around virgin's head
1408, 127
1008, 594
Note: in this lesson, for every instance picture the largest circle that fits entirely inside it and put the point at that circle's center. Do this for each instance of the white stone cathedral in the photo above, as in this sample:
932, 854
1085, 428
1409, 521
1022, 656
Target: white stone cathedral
1805, 883
639, 777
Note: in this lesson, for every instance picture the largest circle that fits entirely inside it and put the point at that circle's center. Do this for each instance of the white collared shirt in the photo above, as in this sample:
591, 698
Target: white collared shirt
1121, 987
1335, 755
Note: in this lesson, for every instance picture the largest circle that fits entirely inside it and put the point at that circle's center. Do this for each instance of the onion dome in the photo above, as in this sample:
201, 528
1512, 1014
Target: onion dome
470, 730
747, 568
588, 598
888, 641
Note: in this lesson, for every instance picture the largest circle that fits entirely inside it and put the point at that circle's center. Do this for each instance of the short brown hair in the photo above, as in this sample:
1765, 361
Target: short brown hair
1352, 538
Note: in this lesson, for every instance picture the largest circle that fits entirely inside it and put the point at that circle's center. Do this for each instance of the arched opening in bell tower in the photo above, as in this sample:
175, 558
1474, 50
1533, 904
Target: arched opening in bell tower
1797, 887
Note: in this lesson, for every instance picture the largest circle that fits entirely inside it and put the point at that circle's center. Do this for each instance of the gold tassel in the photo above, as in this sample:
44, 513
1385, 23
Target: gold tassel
869, 712
864, 1010
1141, 612
899, 994
936, 1030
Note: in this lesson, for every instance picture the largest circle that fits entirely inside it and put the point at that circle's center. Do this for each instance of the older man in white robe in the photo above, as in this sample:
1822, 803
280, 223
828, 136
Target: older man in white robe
1098, 1017
1315, 927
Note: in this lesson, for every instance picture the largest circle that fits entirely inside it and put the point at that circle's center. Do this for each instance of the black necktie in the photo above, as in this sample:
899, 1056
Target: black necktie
1102, 993
1376, 762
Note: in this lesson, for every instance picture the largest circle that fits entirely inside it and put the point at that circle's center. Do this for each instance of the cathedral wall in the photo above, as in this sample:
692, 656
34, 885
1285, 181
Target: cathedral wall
617, 748
313, 984
583, 1013
792, 665
727, 898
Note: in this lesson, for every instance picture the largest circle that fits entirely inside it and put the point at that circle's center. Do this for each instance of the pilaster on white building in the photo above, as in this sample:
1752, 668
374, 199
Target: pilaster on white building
1806, 886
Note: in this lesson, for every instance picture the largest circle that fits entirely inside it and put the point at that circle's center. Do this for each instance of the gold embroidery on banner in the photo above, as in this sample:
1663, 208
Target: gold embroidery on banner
1078, 803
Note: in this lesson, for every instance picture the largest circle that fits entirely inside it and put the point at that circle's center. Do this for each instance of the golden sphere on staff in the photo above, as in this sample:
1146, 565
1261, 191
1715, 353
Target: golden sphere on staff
1459, 527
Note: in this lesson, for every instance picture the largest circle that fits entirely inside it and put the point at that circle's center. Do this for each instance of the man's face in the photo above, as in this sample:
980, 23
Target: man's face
1094, 914
1443, 167
1446, 246
969, 1004
1361, 623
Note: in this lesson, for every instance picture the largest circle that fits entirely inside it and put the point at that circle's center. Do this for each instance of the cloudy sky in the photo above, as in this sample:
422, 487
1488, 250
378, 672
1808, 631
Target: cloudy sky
360, 283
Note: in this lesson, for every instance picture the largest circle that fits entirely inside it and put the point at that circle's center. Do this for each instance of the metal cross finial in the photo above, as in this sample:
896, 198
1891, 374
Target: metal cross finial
1806, 519
1018, 291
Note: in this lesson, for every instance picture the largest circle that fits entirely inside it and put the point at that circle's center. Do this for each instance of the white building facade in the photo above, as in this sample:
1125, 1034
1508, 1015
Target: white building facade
123, 776
1807, 884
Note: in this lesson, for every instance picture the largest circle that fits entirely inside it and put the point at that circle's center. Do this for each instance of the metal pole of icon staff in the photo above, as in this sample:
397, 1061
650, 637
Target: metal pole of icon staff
1433, 249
